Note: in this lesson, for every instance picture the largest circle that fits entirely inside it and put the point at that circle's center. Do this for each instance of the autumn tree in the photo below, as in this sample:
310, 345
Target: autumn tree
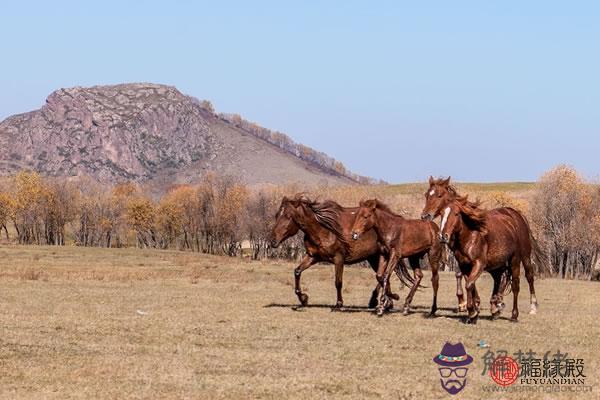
59, 208
141, 218
564, 213
27, 193
177, 217
6, 212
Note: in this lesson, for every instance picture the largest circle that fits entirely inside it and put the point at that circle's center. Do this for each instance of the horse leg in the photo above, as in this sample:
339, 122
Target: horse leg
306, 262
434, 260
529, 275
502, 288
476, 298
497, 276
472, 295
462, 303
383, 277
339, 274
389, 287
436, 255
414, 264
516, 271
374, 263
470, 309
373, 300
435, 284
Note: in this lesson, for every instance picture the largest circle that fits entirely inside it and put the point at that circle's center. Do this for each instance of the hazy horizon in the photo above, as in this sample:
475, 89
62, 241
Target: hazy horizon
481, 92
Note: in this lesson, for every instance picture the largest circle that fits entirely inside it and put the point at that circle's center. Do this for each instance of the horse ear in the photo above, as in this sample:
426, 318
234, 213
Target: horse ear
446, 182
294, 201
372, 204
431, 180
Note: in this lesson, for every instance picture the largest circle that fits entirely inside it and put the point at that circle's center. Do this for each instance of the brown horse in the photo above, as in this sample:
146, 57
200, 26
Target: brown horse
401, 237
326, 227
497, 241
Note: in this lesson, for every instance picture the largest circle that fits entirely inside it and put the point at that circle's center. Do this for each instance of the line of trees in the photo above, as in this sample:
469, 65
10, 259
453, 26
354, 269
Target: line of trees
217, 216
220, 215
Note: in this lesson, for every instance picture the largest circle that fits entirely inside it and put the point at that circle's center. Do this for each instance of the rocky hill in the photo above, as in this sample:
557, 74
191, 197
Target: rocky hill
153, 134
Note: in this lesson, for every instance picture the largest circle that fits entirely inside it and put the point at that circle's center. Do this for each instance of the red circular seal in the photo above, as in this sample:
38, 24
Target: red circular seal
504, 371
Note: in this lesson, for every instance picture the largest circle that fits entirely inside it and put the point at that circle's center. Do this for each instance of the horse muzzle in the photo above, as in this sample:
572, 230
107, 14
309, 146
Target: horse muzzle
427, 217
444, 238
355, 236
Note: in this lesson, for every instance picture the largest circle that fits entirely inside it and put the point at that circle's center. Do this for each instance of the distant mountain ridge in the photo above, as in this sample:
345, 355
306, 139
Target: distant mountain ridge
152, 133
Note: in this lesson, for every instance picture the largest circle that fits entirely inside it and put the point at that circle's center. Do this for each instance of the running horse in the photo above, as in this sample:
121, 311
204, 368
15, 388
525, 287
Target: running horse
497, 241
326, 227
401, 237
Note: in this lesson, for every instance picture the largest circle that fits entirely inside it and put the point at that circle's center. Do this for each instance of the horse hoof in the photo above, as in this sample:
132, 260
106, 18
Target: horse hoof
304, 299
405, 311
496, 315
514, 319
373, 303
338, 307
472, 318
533, 310
431, 314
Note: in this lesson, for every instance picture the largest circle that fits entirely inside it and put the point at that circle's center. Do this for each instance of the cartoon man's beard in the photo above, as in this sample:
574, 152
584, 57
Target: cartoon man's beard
453, 386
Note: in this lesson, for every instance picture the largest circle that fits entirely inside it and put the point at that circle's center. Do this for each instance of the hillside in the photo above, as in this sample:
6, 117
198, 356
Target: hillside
151, 134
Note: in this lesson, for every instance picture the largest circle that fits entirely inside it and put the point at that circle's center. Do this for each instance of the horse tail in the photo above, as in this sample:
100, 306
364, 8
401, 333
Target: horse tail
507, 280
537, 254
539, 257
403, 274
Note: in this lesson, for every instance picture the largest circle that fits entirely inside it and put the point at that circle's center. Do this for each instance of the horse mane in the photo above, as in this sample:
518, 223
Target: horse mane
444, 182
452, 191
473, 215
376, 203
328, 214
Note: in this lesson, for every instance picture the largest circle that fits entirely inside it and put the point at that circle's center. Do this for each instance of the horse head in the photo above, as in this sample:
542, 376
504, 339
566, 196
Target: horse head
458, 212
365, 218
438, 196
285, 224
450, 221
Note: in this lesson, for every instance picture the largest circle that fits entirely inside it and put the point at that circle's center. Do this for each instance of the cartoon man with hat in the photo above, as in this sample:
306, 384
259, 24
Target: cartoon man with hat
452, 363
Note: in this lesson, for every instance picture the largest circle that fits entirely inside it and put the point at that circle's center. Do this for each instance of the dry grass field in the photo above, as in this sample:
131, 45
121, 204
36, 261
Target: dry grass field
97, 323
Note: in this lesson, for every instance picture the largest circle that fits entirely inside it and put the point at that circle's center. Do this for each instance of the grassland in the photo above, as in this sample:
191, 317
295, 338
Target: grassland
97, 323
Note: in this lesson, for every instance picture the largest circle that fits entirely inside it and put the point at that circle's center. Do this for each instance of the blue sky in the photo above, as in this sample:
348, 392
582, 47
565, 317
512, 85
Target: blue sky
480, 90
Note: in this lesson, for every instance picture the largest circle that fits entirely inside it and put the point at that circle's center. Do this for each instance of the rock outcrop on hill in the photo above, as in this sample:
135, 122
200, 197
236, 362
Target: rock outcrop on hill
146, 133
